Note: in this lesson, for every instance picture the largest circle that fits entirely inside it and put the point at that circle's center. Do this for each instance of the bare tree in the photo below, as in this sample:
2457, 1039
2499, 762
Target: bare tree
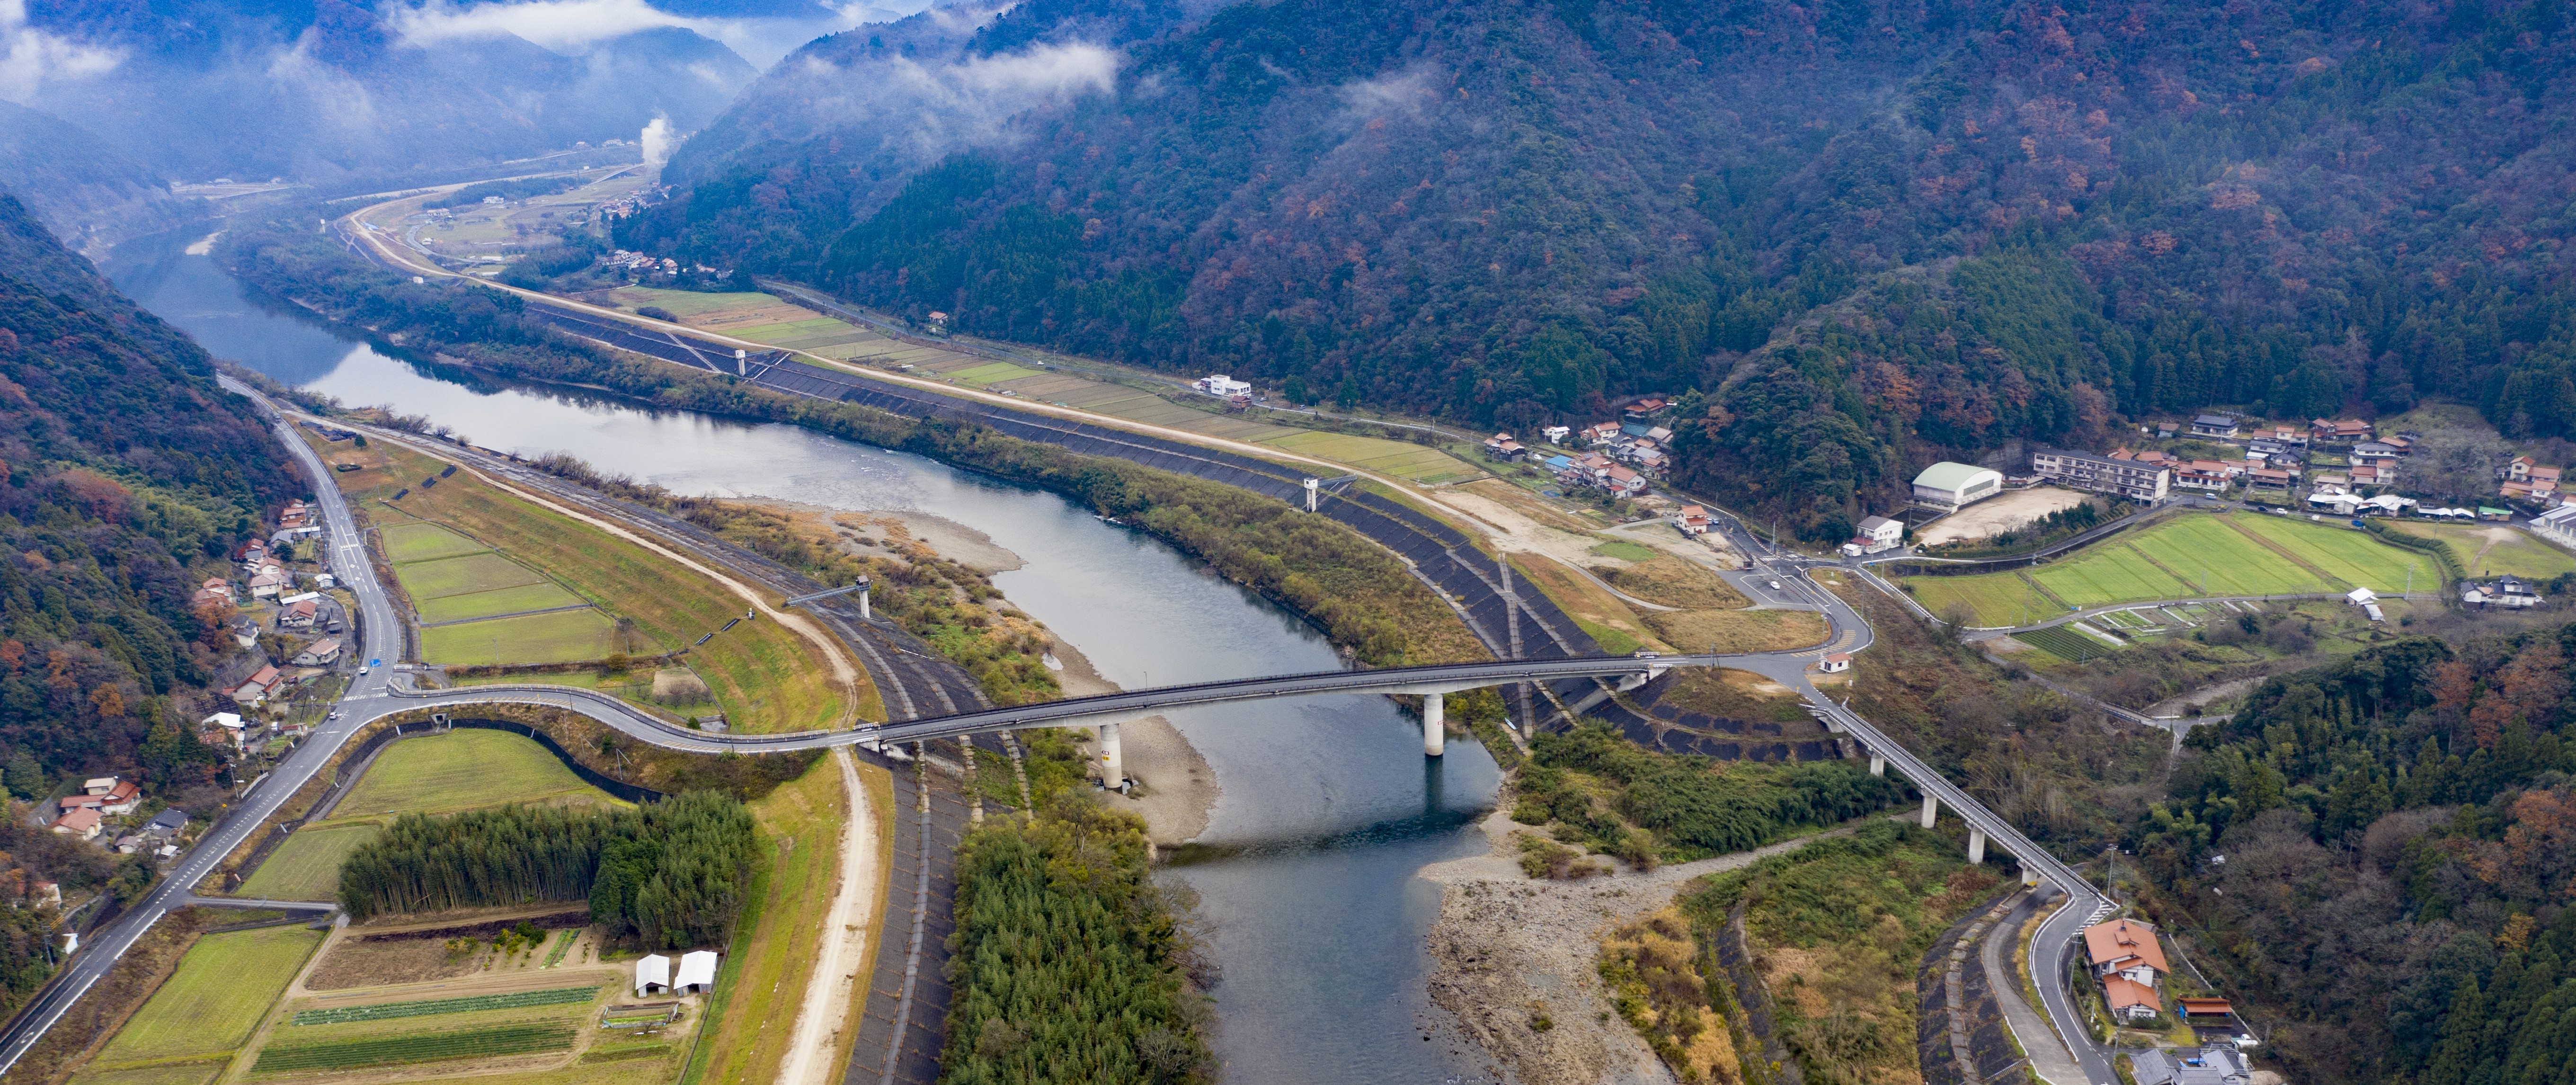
2456, 463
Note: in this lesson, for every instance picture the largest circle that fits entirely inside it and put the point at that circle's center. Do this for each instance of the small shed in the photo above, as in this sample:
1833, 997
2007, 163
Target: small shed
653, 973
2361, 597
1835, 663
697, 972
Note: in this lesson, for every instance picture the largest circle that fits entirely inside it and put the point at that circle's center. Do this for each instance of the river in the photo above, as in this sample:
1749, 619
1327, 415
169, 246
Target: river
1311, 906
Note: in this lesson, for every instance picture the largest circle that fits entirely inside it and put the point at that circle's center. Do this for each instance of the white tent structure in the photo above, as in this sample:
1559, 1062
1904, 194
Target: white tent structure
697, 972
652, 972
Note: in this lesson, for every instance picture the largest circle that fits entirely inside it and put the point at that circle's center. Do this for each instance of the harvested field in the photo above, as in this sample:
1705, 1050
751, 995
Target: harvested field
358, 962
186, 1073
1998, 514
1739, 630
209, 1006
1678, 582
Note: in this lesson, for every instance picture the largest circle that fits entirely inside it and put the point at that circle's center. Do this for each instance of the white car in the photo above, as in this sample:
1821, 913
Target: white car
1775, 585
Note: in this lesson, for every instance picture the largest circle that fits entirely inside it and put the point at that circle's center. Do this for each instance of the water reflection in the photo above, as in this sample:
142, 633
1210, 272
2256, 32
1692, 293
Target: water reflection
1328, 805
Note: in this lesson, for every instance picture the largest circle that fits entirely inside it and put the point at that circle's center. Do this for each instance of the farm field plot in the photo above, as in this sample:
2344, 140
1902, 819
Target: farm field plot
690, 303
1379, 454
566, 637
416, 1048
2111, 573
2209, 553
993, 373
2352, 556
307, 865
186, 1073
1997, 599
386, 1011
425, 542
466, 769
463, 575
2490, 550
223, 986
2064, 643
545, 595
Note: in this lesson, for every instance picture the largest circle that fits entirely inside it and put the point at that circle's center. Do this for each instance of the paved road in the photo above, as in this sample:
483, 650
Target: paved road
382, 639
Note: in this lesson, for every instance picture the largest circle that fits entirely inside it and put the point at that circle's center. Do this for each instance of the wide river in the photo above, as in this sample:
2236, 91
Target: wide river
1329, 808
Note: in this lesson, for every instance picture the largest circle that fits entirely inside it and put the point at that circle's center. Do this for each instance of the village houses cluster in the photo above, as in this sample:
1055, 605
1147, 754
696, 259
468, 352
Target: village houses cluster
105, 806
297, 607
1618, 458
2128, 959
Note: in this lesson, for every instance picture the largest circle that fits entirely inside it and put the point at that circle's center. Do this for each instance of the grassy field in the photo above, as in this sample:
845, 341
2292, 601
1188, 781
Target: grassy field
2231, 555
2064, 643
417, 1047
221, 990
425, 542
2495, 550
1624, 550
569, 636
763, 675
1398, 458
462, 770
765, 971
307, 865
1603, 617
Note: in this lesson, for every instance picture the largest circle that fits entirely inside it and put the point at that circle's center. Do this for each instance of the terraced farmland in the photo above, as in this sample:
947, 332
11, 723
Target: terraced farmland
2065, 643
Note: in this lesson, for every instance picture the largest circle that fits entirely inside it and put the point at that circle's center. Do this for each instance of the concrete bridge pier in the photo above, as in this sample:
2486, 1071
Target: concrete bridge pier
1113, 762
1435, 728
1931, 810
1877, 765
1976, 846
2029, 876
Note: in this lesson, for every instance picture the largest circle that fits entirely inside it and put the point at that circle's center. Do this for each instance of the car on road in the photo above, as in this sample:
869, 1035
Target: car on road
1775, 584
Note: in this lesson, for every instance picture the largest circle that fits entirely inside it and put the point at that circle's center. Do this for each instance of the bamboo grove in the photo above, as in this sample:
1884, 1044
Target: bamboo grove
1070, 962
669, 874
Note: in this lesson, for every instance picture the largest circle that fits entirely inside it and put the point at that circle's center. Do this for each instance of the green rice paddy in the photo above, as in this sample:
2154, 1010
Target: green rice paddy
2187, 556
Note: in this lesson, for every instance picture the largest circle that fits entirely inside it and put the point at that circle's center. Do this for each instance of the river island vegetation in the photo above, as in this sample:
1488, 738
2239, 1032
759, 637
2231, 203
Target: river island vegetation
1071, 962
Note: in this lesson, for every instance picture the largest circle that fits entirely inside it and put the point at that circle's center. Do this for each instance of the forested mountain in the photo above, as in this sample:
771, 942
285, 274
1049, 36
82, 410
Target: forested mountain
318, 89
125, 466
1870, 234
84, 190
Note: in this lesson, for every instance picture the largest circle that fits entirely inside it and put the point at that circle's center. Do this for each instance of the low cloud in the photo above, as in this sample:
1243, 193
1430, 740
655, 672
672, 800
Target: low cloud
1403, 94
29, 58
552, 24
963, 103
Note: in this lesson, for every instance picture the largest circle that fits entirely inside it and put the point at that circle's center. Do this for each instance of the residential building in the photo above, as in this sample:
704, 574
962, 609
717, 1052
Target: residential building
2338, 431
1556, 435
1221, 385
2374, 451
257, 687
1954, 485
298, 616
2506, 593
2544, 480
2267, 479
2130, 1000
2213, 425
2373, 474
2198, 478
2207, 1066
1646, 408
2165, 430
1600, 433
2125, 947
121, 799
320, 653
1625, 483
2518, 469
80, 823
1691, 520
2130, 478
266, 585
1875, 534
2265, 448
1501, 446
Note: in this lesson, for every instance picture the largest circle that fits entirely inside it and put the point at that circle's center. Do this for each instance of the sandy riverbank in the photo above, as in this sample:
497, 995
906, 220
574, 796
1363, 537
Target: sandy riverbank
1178, 789
1508, 948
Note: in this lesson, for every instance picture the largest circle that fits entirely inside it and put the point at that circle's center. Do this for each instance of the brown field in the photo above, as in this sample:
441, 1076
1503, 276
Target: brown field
1678, 582
1997, 514
1739, 630
1601, 614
